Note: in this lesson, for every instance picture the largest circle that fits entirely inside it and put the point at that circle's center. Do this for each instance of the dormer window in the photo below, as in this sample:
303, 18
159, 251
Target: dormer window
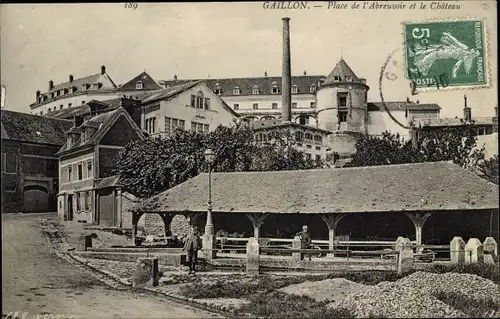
321, 82
66, 91
52, 95
336, 78
58, 92
217, 90
236, 91
295, 89
255, 90
138, 85
86, 86
348, 78
95, 86
275, 89
312, 88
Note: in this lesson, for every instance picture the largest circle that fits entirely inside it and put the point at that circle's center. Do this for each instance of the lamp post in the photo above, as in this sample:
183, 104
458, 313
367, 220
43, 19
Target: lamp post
209, 157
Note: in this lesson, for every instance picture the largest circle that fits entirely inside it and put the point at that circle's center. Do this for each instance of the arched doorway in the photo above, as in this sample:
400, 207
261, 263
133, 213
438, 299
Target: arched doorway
36, 198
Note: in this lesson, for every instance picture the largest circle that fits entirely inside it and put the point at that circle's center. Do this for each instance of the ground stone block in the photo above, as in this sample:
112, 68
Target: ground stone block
209, 246
253, 256
84, 242
474, 251
402, 242
296, 245
490, 247
457, 250
405, 255
146, 273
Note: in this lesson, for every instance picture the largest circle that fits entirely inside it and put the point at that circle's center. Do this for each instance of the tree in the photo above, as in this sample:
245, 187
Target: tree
489, 169
153, 165
458, 145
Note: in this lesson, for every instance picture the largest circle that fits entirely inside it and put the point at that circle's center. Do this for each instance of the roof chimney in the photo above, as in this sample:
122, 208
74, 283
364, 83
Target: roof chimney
70, 78
467, 111
286, 90
305, 73
265, 73
51, 85
103, 70
175, 76
37, 94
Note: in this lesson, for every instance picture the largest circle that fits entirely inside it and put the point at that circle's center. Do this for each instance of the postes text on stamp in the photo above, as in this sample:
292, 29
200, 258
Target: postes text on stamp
441, 54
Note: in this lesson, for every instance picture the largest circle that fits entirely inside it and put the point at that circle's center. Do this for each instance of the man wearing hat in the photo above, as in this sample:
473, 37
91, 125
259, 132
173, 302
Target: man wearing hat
191, 246
305, 240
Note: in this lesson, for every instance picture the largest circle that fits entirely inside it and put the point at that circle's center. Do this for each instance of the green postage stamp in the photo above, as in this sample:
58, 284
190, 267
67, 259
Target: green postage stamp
446, 54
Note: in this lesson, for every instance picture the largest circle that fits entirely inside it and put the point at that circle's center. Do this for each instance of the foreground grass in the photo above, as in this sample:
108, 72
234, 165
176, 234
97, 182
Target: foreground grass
266, 301
471, 307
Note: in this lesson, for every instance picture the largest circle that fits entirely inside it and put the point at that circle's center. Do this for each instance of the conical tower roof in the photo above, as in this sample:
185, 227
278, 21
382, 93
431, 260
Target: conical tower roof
341, 70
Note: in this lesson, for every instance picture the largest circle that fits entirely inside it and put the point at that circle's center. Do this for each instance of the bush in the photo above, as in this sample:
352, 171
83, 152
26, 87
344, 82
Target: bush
281, 305
471, 307
488, 271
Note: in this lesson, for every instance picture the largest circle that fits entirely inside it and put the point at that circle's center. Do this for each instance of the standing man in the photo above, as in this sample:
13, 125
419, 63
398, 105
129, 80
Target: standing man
191, 246
305, 240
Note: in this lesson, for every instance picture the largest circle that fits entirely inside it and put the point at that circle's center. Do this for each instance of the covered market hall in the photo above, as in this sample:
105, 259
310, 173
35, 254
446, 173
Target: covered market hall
416, 201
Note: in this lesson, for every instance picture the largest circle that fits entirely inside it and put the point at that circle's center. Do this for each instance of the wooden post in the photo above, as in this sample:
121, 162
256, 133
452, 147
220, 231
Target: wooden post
135, 220
331, 220
257, 221
418, 221
167, 219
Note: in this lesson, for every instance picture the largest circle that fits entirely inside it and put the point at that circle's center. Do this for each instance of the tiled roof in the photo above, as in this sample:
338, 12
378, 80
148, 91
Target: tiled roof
451, 122
341, 70
69, 113
392, 106
34, 128
111, 181
408, 187
246, 85
164, 94
267, 124
100, 120
148, 83
423, 107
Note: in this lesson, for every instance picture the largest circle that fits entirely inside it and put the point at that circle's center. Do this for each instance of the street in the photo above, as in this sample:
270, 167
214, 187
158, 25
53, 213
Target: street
36, 282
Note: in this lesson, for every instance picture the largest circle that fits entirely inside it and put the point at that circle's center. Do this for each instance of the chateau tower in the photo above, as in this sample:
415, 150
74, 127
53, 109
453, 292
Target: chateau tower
342, 108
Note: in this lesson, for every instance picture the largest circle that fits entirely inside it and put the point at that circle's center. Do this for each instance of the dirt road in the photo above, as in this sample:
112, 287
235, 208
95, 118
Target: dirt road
36, 282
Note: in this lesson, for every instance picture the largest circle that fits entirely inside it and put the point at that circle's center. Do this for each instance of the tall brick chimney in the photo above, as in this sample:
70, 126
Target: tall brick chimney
286, 90
70, 78
103, 70
51, 85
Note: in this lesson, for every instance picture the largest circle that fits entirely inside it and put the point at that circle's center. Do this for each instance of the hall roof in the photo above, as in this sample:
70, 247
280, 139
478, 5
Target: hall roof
437, 186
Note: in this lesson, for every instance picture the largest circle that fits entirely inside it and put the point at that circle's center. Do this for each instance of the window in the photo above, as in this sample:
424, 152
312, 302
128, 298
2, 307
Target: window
308, 156
89, 195
80, 172
206, 128
89, 168
69, 105
342, 100
138, 85
70, 173
236, 107
50, 110
95, 86
342, 116
151, 125
255, 90
274, 106
217, 90
295, 89
312, 88
308, 136
85, 200
312, 105
348, 78
61, 106
318, 148
308, 146
481, 131
199, 100
236, 91
318, 139
193, 101
207, 103
256, 106
78, 201
83, 102
10, 163
172, 124
336, 78
318, 158
304, 120
41, 112
66, 91
294, 105
274, 90
10, 188
299, 136
199, 128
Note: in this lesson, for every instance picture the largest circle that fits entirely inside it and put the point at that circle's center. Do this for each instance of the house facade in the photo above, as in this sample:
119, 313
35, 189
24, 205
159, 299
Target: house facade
192, 106
29, 161
88, 189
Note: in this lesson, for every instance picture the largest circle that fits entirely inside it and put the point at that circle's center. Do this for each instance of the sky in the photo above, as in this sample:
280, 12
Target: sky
42, 42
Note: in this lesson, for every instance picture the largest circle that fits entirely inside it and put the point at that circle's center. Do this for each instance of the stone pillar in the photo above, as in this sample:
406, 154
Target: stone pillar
457, 250
167, 219
146, 273
331, 220
296, 245
253, 257
119, 212
490, 250
418, 221
405, 255
84, 242
135, 220
257, 221
474, 251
